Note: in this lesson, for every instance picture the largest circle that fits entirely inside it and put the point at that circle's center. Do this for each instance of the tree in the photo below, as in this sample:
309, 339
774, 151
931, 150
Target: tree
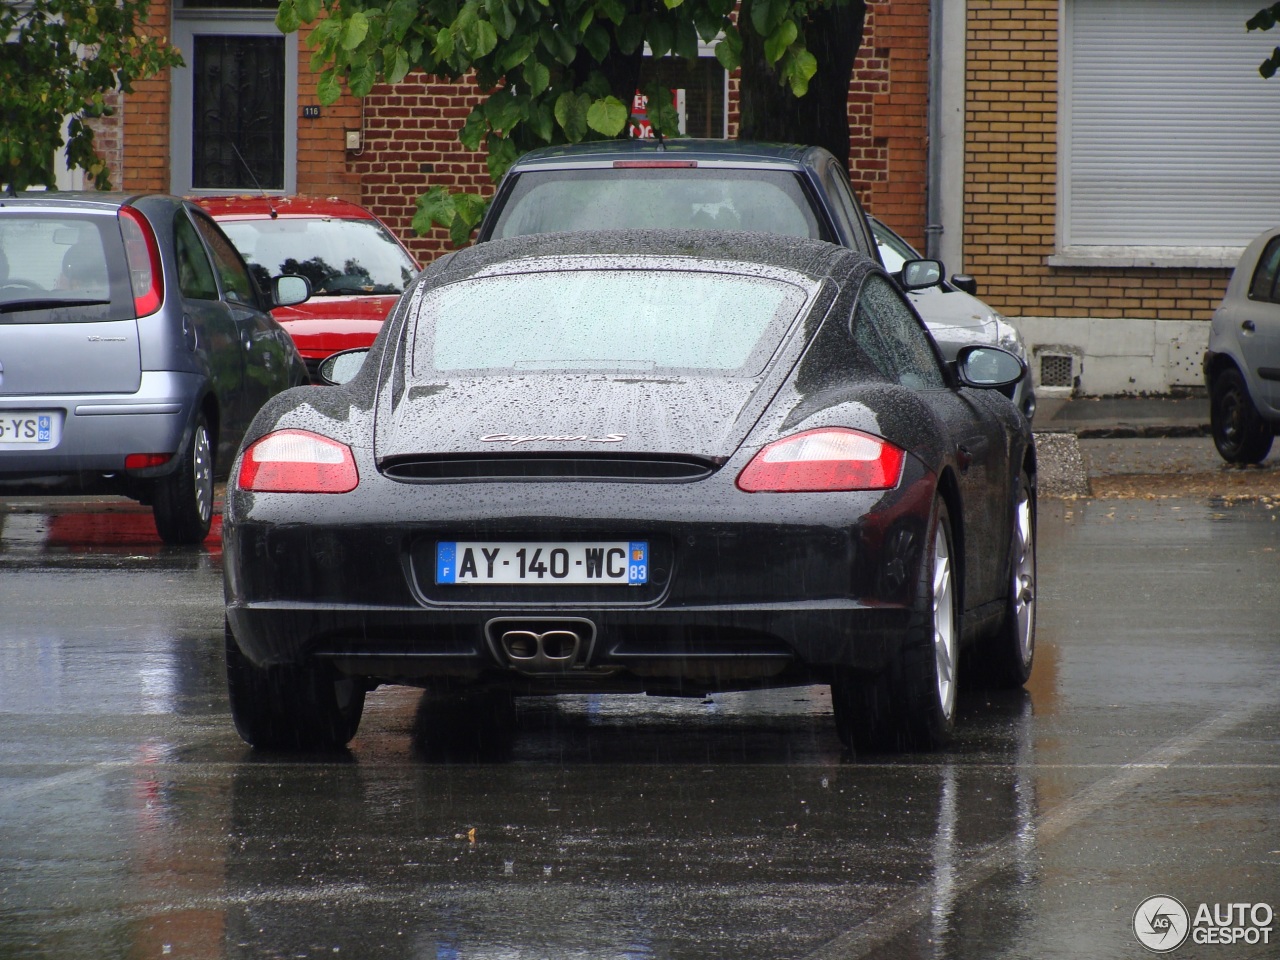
768, 109
62, 59
564, 71
1265, 19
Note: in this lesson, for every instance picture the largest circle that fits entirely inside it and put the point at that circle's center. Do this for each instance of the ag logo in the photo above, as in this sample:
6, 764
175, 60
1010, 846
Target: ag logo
1161, 924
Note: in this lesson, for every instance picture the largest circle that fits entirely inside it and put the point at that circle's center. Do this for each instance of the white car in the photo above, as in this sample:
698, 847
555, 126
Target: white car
954, 315
1242, 364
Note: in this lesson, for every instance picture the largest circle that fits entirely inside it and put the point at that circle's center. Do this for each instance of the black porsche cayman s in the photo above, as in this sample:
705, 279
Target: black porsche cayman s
677, 463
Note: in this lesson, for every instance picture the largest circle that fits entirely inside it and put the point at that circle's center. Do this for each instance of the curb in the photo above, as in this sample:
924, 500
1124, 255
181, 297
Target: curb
1154, 431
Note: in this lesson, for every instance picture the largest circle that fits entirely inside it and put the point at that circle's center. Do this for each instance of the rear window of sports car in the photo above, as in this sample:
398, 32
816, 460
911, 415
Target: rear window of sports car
606, 321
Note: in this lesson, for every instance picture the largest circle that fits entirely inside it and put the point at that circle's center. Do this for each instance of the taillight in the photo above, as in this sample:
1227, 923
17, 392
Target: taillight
297, 461
827, 459
145, 461
143, 255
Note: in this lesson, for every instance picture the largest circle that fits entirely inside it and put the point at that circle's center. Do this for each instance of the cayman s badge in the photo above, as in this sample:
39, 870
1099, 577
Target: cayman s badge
514, 439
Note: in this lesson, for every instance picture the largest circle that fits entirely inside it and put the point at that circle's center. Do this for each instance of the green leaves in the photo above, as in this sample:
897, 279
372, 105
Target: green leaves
571, 113
1265, 19
543, 63
776, 44
62, 59
1269, 66
608, 116
767, 15
459, 213
354, 29
729, 51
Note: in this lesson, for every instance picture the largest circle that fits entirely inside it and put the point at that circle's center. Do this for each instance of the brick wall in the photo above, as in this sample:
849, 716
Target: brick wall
409, 133
1010, 185
108, 137
889, 116
324, 168
146, 122
410, 145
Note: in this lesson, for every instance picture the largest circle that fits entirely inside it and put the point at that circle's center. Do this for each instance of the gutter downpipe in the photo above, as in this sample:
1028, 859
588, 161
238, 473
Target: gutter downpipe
944, 187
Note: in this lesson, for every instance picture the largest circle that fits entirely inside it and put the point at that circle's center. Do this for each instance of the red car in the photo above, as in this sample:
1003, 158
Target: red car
356, 265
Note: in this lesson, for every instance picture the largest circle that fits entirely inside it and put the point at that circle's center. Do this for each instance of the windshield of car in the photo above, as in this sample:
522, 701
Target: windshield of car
339, 257
606, 320
552, 201
62, 268
894, 251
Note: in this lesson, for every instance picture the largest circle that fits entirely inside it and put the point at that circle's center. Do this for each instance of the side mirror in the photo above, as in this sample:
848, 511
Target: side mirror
988, 367
340, 368
288, 291
918, 274
962, 281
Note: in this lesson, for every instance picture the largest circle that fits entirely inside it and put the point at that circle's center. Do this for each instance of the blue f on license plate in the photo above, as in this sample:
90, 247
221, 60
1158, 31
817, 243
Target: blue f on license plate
622, 563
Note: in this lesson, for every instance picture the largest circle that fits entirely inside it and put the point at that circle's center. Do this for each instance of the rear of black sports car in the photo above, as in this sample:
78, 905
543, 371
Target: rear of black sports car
542, 505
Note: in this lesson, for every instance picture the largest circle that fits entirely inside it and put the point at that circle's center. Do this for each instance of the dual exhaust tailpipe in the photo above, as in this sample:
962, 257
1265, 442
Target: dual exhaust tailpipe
536, 645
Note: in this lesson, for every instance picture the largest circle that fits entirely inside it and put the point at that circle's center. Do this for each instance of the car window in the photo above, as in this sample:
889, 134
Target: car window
892, 337
836, 184
340, 257
553, 201
60, 268
1266, 278
606, 320
894, 251
236, 284
195, 274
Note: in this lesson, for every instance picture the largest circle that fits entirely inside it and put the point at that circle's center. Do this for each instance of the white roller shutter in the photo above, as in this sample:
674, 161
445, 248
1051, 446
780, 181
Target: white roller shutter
1170, 137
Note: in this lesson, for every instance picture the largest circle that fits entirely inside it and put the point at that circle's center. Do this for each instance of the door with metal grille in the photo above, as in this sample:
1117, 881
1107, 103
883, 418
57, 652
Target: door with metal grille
234, 105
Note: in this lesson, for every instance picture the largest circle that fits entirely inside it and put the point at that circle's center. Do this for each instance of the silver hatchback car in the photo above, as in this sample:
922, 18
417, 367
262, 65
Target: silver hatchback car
1242, 364
135, 347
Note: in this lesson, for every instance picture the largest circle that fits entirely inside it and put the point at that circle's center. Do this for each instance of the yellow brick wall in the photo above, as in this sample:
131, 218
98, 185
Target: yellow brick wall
1011, 153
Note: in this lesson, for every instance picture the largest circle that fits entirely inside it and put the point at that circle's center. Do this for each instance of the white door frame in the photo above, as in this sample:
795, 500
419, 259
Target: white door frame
187, 24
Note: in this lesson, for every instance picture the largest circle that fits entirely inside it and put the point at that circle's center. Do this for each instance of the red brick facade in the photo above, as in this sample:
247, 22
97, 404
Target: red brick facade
409, 132
408, 142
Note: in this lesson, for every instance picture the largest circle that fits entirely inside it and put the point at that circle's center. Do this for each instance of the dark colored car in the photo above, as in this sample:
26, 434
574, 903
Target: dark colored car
692, 184
670, 462
135, 347
683, 184
1242, 363
357, 267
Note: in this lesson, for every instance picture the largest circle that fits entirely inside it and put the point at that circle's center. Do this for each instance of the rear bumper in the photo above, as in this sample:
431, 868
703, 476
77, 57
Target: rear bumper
709, 648
97, 431
744, 589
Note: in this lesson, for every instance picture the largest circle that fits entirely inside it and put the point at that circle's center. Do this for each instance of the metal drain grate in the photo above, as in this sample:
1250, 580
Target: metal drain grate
1055, 370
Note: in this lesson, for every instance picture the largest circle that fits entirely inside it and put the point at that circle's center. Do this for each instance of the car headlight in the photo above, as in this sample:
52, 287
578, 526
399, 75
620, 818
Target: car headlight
1008, 337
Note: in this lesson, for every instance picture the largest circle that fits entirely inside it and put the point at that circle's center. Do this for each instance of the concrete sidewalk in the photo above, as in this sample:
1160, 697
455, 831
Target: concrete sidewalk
1096, 445
1138, 416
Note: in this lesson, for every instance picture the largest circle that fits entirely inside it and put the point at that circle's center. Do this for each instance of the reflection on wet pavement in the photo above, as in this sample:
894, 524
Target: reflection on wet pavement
1142, 759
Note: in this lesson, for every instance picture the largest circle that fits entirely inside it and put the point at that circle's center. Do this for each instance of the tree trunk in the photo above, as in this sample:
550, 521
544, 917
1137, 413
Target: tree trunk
769, 111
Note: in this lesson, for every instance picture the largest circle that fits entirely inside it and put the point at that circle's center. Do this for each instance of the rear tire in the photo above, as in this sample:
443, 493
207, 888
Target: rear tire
183, 507
911, 704
309, 707
1239, 432
1005, 658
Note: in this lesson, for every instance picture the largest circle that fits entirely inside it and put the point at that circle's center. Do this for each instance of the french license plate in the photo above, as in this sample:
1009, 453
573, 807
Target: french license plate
29, 428
622, 563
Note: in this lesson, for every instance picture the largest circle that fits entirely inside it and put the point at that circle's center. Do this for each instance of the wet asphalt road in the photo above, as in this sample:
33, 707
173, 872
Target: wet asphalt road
1143, 759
